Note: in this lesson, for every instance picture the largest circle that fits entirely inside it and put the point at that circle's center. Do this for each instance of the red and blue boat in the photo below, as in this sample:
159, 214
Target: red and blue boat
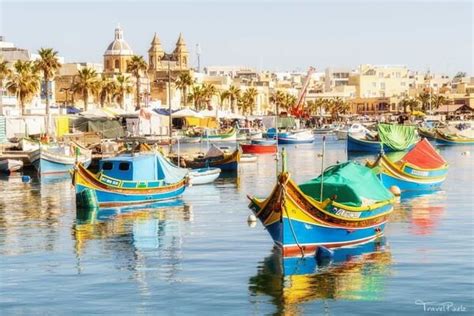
422, 168
352, 208
129, 180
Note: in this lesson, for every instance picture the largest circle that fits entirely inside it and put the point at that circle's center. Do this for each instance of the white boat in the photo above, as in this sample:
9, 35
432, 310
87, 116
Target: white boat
355, 129
203, 175
248, 158
10, 165
61, 158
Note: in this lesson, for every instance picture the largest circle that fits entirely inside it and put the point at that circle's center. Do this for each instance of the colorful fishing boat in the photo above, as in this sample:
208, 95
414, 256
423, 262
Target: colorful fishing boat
422, 168
10, 165
352, 209
203, 175
392, 137
55, 159
426, 132
130, 179
215, 158
213, 136
451, 139
299, 137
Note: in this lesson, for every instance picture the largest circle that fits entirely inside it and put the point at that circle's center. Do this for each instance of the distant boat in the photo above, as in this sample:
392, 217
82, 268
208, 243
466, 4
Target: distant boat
61, 158
248, 158
203, 175
354, 129
128, 180
451, 139
215, 157
214, 136
325, 129
263, 146
299, 137
10, 165
391, 136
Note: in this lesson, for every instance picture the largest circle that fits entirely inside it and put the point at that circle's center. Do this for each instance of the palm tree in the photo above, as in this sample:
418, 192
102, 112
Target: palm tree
289, 100
223, 95
234, 94
184, 81
209, 90
277, 99
136, 65
107, 89
24, 82
48, 64
424, 99
5, 73
85, 83
124, 86
196, 96
437, 101
250, 94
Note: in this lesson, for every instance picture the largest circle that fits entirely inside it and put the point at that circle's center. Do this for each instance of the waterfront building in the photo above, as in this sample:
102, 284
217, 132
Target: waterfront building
117, 55
336, 77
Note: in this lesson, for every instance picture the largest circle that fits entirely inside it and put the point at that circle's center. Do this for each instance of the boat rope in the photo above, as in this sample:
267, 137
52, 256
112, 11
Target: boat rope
289, 219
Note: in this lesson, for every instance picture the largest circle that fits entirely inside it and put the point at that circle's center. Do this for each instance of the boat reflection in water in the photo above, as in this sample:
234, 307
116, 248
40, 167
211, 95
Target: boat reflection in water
423, 209
356, 273
144, 240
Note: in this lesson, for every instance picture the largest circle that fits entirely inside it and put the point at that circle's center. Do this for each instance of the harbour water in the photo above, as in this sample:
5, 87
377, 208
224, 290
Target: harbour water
198, 255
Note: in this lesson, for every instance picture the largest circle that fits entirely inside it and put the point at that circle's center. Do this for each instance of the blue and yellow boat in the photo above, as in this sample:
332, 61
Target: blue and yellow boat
131, 179
422, 168
450, 139
353, 208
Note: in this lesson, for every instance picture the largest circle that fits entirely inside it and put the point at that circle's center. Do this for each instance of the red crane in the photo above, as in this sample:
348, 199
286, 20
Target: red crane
298, 109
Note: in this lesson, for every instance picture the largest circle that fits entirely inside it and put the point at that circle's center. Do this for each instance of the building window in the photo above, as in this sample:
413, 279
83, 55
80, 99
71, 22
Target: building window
403, 83
374, 84
117, 64
382, 85
107, 64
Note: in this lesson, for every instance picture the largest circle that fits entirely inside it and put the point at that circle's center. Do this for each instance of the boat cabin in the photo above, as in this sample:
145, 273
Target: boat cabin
132, 168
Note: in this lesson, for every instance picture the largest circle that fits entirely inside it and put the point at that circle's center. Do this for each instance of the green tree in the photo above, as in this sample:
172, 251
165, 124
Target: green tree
124, 86
49, 65
5, 73
437, 101
424, 99
136, 65
24, 82
277, 98
209, 90
234, 94
183, 83
85, 83
108, 87
248, 99
197, 97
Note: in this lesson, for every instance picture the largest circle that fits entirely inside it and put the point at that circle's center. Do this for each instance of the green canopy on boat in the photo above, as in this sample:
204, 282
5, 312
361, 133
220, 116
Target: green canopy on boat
351, 183
398, 137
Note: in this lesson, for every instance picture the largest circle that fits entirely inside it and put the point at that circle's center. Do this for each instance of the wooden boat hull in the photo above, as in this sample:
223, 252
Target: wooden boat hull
258, 149
204, 175
408, 177
119, 194
229, 162
229, 137
442, 139
298, 224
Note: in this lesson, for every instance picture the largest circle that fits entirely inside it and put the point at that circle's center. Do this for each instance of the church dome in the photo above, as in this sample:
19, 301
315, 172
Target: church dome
119, 46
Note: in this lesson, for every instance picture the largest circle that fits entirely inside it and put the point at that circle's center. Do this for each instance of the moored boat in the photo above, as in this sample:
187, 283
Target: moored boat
352, 209
260, 146
392, 137
215, 157
299, 137
129, 180
422, 168
448, 139
60, 159
213, 136
203, 175
10, 165
354, 129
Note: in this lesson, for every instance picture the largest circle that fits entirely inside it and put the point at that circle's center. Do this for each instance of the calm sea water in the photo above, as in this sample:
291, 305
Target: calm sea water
199, 256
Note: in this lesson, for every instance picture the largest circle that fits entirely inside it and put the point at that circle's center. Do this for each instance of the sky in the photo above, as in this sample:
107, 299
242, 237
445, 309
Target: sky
267, 35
